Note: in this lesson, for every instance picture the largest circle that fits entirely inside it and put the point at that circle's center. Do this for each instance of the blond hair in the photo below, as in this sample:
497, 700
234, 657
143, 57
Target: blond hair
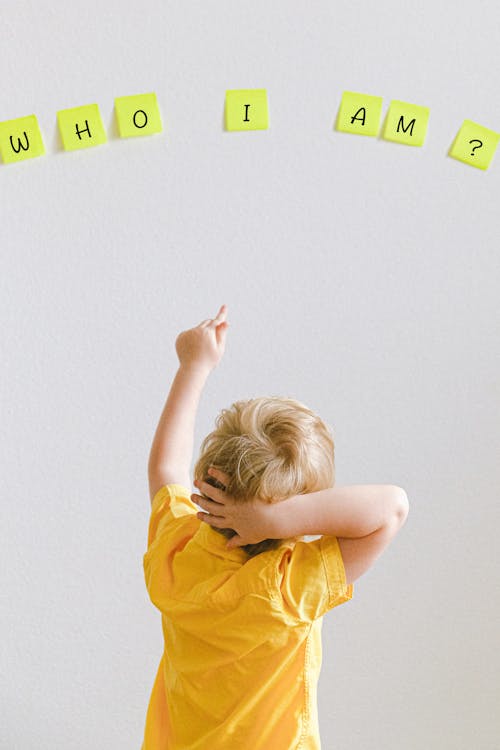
271, 448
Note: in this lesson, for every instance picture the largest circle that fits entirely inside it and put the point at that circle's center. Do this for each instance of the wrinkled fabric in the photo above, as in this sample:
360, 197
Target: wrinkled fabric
242, 636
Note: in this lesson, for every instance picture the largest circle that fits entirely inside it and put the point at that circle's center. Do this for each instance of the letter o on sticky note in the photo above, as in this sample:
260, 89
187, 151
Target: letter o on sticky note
406, 123
81, 127
359, 113
138, 115
475, 144
20, 139
246, 109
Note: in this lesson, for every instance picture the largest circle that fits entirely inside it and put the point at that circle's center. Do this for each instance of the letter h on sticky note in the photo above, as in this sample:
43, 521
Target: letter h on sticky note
81, 127
20, 139
406, 123
359, 113
138, 115
246, 109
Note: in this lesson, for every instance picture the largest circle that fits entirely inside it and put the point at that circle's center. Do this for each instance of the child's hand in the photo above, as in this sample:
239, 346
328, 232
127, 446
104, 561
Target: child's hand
204, 345
252, 520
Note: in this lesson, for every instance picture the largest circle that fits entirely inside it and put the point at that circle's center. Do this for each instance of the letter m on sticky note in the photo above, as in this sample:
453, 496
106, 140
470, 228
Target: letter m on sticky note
246, 109
20, 139
81, 127
406, 123
359, 113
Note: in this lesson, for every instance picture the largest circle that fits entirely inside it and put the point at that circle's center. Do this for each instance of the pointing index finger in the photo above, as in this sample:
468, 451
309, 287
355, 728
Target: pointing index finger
222, 313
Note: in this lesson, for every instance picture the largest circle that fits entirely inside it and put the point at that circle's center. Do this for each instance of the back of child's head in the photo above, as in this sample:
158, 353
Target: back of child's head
271, 448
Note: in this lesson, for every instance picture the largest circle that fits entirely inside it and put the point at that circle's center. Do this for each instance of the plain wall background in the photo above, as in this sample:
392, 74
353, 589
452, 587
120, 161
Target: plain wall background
361, 278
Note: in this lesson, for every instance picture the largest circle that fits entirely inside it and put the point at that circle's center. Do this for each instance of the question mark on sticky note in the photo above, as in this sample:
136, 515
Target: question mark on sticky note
479, 144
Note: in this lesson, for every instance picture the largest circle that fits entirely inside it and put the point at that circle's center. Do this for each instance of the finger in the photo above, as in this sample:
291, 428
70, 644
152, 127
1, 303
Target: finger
234, 542
215, 321
214, 508
221, 315
212, 520
220, 333
198, 500
219, 475
209, 491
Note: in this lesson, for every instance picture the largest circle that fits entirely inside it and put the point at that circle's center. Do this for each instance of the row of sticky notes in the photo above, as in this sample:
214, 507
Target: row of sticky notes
407, 123
246, 109
361, 113
80, 127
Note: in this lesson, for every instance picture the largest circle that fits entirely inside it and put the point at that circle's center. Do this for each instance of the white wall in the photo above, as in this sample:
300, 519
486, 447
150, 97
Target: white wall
361, 278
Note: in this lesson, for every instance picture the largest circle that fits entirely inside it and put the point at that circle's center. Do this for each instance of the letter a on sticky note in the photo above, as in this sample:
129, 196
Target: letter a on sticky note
246, 109
138, 115
359, 113
81, 127
20, 139
475, 144
406, 123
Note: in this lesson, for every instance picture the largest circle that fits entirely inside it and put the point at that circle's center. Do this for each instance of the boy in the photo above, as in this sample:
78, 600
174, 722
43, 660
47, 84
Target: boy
242, 622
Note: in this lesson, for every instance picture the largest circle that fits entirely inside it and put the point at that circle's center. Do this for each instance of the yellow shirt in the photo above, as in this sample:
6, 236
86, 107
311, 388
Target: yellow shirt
242, 636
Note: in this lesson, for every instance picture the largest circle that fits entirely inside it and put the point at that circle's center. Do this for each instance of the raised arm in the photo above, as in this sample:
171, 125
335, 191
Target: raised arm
199, 350
352, 511
364, 518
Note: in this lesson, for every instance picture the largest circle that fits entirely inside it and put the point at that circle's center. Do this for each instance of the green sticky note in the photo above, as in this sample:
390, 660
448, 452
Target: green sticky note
359, 113
20, 139
475, 144
81, 127
138, 115
406, 123
246, 109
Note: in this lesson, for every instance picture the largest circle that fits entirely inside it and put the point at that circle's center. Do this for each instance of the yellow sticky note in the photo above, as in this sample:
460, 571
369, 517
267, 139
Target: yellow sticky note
406, 123
359, 113
138, 115
246, 109
20, 139
475, 144
81, 127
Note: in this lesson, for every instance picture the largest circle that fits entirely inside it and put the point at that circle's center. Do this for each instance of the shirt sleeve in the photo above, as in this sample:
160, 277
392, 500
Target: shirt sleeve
311, 578
170, 502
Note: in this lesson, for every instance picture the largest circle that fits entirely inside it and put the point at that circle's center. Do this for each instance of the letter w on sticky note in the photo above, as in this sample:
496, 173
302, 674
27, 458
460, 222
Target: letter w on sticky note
20, 139
246, 109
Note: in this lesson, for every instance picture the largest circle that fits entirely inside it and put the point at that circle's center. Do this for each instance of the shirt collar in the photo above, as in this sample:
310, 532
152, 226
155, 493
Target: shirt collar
210, 540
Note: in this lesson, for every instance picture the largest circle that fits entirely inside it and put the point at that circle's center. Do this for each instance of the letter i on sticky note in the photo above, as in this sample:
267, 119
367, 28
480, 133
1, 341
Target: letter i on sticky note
138, 115
475, 144
20, 139
246, 109
81, 127
359, 113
